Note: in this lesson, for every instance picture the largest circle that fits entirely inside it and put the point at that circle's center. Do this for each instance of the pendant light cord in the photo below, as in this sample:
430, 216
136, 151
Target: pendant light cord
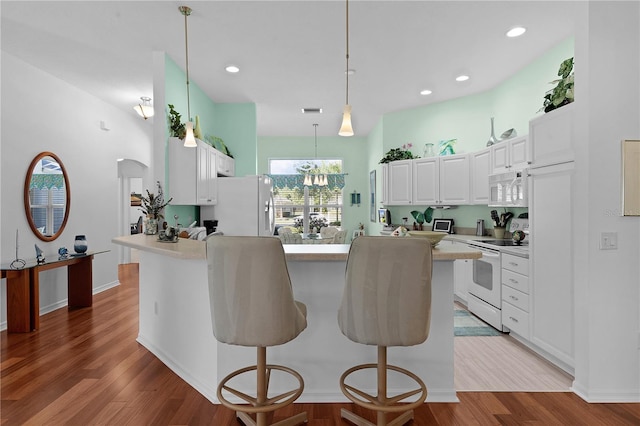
347, 55
186, 11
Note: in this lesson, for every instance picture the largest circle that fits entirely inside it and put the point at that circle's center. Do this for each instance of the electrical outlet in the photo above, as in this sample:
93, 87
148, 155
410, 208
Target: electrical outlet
608, 241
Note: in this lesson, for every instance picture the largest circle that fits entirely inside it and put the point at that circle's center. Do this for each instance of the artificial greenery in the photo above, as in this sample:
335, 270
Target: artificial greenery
422, 217
562, 94
153, 204
398, 154
176, 127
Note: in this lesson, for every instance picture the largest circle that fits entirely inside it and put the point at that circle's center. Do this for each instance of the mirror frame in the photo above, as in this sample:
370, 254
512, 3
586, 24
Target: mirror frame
27, 204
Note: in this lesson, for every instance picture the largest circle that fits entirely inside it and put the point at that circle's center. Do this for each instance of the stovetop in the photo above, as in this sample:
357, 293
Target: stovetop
505, 243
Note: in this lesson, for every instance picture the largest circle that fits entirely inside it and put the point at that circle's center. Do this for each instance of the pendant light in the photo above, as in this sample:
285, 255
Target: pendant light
189, 139
347, 129
144, 108
318, 179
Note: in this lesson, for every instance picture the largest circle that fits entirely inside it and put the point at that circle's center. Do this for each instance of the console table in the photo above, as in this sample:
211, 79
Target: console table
23, 289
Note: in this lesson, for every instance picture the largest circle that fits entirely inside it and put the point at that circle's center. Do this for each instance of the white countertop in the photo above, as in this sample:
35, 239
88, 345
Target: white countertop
193, 249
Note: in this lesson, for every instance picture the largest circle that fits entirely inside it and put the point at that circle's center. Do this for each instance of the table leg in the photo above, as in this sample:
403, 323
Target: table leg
34, 298
80, 283
18, 303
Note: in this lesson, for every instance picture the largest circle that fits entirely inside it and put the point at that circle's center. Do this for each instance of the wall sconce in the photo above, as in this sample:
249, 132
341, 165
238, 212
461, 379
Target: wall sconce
355, 198
144, 109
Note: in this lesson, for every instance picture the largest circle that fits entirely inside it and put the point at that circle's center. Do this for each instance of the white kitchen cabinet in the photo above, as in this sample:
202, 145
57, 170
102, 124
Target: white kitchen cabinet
430, 181
192, 173
384, 181
551, 253
512, 154
551, 137
462, 275
225, 165
480, 170
515, 294
454, 180
400, 183
426, 187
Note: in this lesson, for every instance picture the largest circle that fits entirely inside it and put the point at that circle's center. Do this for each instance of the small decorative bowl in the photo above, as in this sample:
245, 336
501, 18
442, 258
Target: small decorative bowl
434, 237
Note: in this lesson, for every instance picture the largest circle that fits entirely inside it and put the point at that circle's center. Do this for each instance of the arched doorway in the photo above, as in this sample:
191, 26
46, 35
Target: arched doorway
132, 178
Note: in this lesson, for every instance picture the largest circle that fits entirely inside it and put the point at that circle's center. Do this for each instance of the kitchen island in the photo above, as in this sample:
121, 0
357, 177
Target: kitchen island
175, 321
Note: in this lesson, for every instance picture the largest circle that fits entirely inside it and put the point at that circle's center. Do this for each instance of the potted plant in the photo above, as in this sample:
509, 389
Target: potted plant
398, 154
562, 94
152, 206
177, 129
422, 217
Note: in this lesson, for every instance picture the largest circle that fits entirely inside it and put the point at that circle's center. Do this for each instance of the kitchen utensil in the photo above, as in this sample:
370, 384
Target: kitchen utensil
494, 217
480, 227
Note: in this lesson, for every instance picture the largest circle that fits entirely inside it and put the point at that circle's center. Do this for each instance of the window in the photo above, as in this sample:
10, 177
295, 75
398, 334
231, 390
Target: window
307, 207
47, 208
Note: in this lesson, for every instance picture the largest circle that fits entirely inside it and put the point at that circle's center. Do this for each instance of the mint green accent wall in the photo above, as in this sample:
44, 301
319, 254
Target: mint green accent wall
513, 103
352, 151
236, 124
375, 144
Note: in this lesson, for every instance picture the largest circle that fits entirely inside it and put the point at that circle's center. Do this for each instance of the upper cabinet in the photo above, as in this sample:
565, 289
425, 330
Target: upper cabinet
480, 170
512, 154
192, 173
226, 166
400, 184
552, 137
429, 181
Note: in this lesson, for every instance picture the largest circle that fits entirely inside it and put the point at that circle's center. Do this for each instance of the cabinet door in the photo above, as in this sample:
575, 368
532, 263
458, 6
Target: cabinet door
384, 182
182, 173
551, 263
500, 157
454, 179
426, 190
480, 168
400, 183
203, 173
518, 153
212, 186
551, 137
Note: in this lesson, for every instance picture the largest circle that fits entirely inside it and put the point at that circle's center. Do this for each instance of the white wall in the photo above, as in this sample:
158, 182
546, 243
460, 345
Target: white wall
607, 283
43, 113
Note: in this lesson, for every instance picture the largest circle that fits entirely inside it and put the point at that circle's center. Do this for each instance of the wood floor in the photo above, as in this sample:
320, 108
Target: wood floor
84, 367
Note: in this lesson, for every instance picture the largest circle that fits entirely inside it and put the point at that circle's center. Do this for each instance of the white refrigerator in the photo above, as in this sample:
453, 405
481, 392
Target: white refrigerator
245, 206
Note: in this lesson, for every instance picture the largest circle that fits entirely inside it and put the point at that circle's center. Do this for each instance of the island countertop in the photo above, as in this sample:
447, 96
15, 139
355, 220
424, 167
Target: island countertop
193, 249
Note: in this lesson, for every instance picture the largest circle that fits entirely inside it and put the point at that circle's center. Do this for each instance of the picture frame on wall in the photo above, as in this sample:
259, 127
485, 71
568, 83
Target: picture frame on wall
372, 199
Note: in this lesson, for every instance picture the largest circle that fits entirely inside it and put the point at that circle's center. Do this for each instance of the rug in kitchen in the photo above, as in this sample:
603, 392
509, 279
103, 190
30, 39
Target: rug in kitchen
465, 324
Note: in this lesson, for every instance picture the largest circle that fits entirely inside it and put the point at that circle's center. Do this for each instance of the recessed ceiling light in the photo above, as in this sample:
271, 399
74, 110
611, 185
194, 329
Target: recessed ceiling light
462, 78
516, 31
425, 92
232, 69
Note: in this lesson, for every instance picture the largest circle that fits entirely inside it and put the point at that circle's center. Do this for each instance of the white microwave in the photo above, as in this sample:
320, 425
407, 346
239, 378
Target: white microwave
508, 189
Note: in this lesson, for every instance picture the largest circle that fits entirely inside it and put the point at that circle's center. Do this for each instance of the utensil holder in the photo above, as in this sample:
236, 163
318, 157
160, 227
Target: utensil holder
498, 232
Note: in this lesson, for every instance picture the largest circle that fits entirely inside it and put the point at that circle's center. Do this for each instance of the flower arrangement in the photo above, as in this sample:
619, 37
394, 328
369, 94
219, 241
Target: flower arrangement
152, 204
398, 154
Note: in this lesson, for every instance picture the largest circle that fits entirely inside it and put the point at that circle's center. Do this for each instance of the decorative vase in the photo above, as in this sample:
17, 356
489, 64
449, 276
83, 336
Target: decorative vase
80, 244
493, 138
428, 150
151, 226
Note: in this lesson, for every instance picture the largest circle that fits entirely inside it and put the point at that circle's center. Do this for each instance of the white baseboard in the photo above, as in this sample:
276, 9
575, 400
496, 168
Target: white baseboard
62, 303
606, 396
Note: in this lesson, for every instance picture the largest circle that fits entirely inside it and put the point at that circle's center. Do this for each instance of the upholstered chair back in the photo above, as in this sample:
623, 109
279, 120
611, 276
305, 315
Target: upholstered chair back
387, 294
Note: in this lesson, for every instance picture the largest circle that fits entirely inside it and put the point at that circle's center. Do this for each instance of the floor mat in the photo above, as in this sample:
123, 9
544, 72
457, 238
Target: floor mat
466, 324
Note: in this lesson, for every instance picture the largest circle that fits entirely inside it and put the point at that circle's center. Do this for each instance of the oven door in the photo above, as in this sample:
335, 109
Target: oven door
486, 283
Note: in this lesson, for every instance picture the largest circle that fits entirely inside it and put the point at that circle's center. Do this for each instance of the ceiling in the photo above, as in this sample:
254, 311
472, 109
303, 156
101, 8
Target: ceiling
291, 54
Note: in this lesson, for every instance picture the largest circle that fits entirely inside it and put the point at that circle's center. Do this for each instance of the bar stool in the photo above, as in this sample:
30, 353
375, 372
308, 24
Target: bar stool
386, 302
252, 305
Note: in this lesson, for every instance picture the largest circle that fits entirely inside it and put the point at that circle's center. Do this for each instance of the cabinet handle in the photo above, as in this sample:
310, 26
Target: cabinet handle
513, 264
513, 297
513, 319
513, 281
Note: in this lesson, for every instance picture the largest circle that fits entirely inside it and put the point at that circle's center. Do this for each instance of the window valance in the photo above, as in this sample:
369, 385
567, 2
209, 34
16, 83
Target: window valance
334, 181
46, 181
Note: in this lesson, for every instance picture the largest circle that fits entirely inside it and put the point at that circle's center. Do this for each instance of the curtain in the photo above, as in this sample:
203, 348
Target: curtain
334, 181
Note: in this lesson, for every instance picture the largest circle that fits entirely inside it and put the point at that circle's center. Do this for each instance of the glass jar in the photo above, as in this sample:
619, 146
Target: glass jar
428, 150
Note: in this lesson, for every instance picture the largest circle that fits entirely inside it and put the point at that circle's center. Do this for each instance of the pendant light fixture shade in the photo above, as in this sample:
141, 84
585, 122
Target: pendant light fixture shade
307, 180
346, 129
144, 108
189, 140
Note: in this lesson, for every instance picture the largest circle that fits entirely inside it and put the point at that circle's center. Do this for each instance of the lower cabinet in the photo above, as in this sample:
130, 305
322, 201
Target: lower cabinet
462, 275
515, 294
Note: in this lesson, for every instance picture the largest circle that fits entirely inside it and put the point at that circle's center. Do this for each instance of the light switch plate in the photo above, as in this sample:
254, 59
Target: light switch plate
608, 241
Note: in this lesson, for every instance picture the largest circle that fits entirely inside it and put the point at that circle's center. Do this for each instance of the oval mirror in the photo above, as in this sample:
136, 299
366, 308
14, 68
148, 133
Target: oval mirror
46, 196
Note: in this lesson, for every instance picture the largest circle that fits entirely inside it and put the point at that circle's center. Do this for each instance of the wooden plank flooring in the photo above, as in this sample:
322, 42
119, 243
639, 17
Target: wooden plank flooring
84, 367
